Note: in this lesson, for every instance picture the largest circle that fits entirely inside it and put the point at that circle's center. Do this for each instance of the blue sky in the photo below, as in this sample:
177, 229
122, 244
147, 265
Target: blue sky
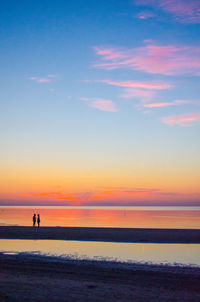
100, 94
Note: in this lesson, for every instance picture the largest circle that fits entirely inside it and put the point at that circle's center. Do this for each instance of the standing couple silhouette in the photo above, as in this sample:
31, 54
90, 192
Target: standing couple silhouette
38, 220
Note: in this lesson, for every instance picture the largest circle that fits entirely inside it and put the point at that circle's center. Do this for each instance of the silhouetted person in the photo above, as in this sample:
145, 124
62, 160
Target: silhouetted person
38, 220
34, 220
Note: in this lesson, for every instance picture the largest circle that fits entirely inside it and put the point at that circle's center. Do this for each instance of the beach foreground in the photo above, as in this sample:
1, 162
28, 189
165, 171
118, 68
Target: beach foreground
25, 277
34, 278
102, 234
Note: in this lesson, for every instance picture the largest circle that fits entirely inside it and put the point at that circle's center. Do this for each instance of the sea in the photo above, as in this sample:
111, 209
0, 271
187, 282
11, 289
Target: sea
98, 216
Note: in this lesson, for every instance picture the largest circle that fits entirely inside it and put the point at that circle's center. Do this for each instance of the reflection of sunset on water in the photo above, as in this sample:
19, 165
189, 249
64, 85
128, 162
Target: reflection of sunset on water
97, 217
128, 252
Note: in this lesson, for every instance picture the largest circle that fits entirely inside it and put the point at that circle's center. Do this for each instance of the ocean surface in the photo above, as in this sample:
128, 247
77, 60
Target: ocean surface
131, 217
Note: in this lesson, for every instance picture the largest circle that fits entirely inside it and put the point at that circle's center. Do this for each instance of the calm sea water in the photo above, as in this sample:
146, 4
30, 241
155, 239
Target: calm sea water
133, 217
175, 254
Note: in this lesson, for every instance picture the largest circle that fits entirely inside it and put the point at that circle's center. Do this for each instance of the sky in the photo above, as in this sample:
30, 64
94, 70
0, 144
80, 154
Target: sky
100, 102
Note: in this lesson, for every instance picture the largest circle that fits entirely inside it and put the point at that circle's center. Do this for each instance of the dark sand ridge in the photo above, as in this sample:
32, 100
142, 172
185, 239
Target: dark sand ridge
102, 234
34, 278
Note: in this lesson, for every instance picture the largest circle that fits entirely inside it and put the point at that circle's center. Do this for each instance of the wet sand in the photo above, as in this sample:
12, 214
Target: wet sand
35, 278
102, 234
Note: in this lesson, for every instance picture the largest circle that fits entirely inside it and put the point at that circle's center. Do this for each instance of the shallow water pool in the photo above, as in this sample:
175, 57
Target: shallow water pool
174, 254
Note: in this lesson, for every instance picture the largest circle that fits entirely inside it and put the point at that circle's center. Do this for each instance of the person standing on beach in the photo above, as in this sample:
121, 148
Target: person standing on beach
38, 220
34, 220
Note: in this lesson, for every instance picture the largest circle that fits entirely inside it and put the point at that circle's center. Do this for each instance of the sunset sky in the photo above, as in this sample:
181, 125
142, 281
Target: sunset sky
100, 102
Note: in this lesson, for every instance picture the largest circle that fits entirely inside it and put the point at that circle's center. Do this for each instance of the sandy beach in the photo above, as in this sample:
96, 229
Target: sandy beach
34, 278
26, 277
102, 234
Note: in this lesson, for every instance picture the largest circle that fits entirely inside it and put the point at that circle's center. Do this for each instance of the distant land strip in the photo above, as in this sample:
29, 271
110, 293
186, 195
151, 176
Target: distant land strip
102, 234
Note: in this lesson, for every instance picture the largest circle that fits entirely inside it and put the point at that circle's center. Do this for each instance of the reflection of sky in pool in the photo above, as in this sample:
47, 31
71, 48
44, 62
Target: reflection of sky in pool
137, 252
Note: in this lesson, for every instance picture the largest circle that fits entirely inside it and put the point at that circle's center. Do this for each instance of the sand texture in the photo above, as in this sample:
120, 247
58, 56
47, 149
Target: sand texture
32, 278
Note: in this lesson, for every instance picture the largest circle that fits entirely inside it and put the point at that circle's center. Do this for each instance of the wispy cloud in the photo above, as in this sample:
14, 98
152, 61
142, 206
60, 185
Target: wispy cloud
132, 190
133, 84
47, 79
110, 196
145, 15
144, 96
152, 58
40, 80
58, 196
101, 104
157, 105
166, 104
93, 194
182, 120
183, 10
142, 91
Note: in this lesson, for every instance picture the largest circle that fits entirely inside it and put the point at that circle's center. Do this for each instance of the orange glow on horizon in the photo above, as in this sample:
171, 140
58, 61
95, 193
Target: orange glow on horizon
131, 185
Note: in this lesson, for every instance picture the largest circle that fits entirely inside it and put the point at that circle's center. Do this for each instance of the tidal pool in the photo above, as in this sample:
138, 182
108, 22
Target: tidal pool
173, 254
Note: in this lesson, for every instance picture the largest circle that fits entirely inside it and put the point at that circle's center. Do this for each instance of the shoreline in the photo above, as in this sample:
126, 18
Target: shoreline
36, 278
131, 235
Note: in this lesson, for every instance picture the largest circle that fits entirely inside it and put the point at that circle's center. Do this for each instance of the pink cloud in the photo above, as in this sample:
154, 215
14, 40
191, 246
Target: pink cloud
145, 15
109, 53
143, 91
156, 59
101, 104
143, 95
46, 79
182, 120
132, 84
157, 105
166, 104
183, 10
